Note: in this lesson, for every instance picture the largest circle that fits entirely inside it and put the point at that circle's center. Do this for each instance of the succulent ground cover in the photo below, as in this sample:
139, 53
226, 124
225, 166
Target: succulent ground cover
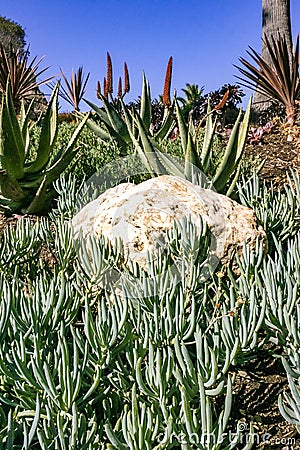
76, 406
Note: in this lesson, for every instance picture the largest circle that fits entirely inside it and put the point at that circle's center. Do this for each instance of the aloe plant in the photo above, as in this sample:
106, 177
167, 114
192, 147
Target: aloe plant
25, 184
226, 175
115, 120
227, 172
132, 128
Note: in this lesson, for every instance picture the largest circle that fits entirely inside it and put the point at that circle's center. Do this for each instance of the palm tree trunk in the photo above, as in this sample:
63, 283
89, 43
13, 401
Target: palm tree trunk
276, 19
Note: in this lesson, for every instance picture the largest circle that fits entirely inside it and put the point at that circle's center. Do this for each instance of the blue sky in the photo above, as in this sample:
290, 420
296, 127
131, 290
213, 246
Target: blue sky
205, 38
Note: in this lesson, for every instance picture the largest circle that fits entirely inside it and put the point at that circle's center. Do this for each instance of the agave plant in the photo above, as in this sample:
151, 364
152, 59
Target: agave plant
22, 75
26, 184
279, 79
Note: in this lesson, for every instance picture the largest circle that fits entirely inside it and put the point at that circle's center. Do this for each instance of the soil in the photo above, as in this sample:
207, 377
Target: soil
280, 149
258, 384
255, 400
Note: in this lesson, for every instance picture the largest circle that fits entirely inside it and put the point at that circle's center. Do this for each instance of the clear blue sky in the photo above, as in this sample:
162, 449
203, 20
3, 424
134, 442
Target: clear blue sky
205, 38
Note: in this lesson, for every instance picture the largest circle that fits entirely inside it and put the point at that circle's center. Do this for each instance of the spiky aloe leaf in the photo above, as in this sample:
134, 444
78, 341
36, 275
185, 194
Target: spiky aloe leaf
235, 179
48, 135
107, 133
99, 131
208, 139
12, 148
38, 203
145, 110
241, 146
172, 166
116, 121
183, 130
62, 163
168, 123
9, 187
31, 182
191, 158
100, 113
148, 146
24, 117
112, 118
234, 150
243, 131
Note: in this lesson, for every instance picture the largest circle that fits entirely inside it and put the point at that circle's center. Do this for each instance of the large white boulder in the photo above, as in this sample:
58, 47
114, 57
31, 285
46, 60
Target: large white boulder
139, 214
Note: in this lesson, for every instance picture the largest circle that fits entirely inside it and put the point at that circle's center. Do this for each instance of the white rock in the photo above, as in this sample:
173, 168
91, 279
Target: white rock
139, 214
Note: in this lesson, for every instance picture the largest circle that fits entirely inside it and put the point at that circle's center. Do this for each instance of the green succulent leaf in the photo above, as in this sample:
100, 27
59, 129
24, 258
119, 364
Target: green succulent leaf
145, 111
48, 134
234, 150
12, 146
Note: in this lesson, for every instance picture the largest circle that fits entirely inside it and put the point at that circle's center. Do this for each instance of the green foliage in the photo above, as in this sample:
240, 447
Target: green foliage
227, 171
92, 153
93, 360
12, 35
192, 94
75, 88
279, 79
21, 75
26, 182
112, 124
277, 211
228, 114
131, 128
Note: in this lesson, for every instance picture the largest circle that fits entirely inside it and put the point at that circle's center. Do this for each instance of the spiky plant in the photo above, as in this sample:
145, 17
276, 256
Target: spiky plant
21, 74
26, 183
279, 79
75, 88
132, 127
115, 120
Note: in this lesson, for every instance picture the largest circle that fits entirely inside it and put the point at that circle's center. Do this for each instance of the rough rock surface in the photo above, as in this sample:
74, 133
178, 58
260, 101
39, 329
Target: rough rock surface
139, 214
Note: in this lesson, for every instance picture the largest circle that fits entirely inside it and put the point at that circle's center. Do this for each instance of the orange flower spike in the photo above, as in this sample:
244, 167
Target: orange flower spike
120, 88
167, 86
126, 79
222, 102
98, 90
109, 77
